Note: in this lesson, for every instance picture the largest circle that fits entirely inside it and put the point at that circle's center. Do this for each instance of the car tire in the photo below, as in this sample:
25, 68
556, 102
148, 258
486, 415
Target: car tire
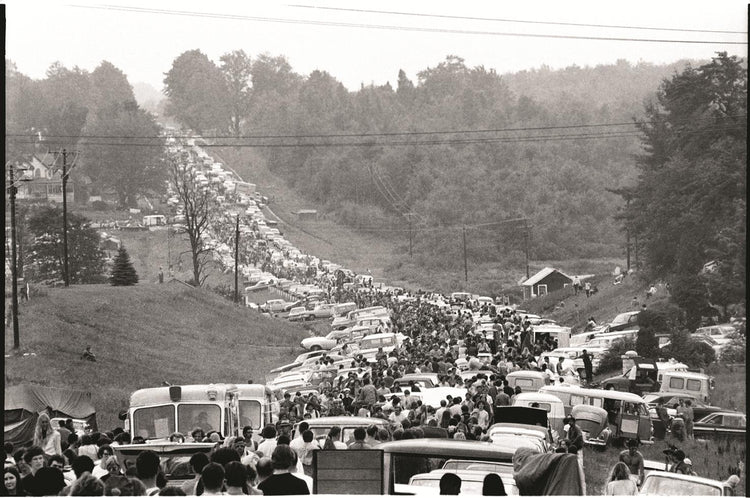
315, 348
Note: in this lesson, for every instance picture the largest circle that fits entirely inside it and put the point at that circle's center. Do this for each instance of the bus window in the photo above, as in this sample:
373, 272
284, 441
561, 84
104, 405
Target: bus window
576, 399
250, 414
693, 385
205, 416
676, 383
154, 422
597, 402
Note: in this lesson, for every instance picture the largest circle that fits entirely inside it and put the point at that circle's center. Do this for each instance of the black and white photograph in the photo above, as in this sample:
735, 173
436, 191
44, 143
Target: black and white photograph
293, 247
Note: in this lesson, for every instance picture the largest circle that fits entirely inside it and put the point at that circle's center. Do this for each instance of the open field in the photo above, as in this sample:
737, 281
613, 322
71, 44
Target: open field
143, 335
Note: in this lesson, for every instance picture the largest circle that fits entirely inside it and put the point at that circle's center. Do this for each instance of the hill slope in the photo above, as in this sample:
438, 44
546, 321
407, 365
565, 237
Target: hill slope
142, 336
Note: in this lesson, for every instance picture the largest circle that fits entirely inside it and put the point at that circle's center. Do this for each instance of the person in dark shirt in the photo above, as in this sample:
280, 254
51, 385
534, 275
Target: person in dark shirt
282, 482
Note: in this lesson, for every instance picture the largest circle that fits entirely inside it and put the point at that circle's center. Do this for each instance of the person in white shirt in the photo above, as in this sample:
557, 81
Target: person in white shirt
46, 437
269, 440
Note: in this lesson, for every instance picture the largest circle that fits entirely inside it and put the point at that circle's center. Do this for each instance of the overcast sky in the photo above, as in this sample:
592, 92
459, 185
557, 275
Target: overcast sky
370, 45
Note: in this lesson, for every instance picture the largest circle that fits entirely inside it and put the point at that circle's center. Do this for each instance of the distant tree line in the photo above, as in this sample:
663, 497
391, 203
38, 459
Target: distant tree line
95, 117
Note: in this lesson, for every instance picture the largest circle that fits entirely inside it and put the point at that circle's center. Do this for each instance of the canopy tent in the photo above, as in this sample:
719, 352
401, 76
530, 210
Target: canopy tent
24, 403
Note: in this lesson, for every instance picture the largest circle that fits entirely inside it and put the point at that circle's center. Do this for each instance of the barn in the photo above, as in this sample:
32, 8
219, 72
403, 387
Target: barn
545, 281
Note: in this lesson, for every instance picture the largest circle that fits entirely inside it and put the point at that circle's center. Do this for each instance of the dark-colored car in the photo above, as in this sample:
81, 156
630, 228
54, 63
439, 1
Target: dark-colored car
721, 424
700, 409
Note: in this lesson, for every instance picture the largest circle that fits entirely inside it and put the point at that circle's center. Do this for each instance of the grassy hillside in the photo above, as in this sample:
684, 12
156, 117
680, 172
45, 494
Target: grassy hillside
142, 336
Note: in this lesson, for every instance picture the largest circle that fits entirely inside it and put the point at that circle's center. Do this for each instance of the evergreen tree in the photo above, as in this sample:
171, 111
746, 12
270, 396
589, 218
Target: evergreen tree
123, 272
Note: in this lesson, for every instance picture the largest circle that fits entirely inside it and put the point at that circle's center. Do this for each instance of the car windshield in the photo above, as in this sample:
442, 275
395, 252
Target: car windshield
669, 486
621, 318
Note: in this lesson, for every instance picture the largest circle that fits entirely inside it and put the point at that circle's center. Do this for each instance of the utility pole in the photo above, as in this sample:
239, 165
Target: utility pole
627, 233
236, 260
466, 264
14, 264
410, 236
12, 191
66, 275
526, 245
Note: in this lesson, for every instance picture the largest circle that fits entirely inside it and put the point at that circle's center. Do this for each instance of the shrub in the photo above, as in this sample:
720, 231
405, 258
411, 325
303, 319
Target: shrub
611, 360
735, 351
99, 206
687, 350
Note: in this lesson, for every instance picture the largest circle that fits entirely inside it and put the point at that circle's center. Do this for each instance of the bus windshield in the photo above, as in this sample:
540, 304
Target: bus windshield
154, 422
251, 413
206, 416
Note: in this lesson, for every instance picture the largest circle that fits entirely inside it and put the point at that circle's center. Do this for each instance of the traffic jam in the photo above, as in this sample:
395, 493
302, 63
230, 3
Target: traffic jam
417, 386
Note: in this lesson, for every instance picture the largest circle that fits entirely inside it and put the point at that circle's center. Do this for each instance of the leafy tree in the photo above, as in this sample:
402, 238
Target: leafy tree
123, 272
67, 94
196, 202
690, 195
132, 164
44, 256
237, 68
197, 91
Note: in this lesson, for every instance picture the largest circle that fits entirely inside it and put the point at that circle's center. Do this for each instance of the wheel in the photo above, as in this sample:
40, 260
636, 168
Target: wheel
315, 348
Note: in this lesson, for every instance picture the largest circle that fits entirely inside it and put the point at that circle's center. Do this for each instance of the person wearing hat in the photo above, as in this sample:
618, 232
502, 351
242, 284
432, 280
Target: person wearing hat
634, 460
680, 466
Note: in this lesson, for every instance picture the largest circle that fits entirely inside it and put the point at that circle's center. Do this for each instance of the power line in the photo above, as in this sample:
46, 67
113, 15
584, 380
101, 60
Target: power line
403, 133
522, 21
398, 28
407, 143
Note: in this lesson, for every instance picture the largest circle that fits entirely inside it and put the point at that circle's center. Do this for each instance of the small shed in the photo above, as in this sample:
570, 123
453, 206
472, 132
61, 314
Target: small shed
545, 281
307, 214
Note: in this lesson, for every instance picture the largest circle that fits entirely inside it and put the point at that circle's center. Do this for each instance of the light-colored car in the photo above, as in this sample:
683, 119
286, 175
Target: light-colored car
322, 310
298, 313
471, 482
659, 483
333, 338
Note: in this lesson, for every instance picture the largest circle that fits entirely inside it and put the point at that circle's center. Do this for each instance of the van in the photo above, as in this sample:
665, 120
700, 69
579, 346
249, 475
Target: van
343, 308
527, 380
627, 414
548, 402
696, 384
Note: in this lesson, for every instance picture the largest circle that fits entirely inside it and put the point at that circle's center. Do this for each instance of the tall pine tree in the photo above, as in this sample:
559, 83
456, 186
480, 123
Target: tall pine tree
123, 272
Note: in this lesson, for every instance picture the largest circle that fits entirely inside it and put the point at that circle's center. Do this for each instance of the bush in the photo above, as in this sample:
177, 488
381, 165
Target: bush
611, 360
689, 351
735, 351
99, 206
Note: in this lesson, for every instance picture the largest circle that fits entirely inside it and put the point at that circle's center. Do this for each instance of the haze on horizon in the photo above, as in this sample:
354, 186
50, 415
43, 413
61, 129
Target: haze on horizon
370, 41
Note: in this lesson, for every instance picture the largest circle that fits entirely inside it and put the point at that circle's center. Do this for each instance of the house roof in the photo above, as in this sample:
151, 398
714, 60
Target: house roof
542, 274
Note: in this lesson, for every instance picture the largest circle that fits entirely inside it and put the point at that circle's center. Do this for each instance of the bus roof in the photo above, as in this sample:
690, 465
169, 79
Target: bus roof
196, 392
598, 393
253, 390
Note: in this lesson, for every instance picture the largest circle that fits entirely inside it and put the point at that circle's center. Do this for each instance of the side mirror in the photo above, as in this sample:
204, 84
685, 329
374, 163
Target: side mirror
123, 415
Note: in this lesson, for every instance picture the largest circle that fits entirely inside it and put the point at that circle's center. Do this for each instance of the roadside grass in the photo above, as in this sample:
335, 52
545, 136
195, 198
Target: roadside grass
716, 459
142, 336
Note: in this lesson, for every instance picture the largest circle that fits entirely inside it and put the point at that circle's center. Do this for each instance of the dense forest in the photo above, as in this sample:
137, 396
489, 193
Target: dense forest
569, 158
459, 147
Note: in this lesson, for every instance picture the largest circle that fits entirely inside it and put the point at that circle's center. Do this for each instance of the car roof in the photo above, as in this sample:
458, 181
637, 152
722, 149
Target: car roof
538, 396
480, 450
343, 420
